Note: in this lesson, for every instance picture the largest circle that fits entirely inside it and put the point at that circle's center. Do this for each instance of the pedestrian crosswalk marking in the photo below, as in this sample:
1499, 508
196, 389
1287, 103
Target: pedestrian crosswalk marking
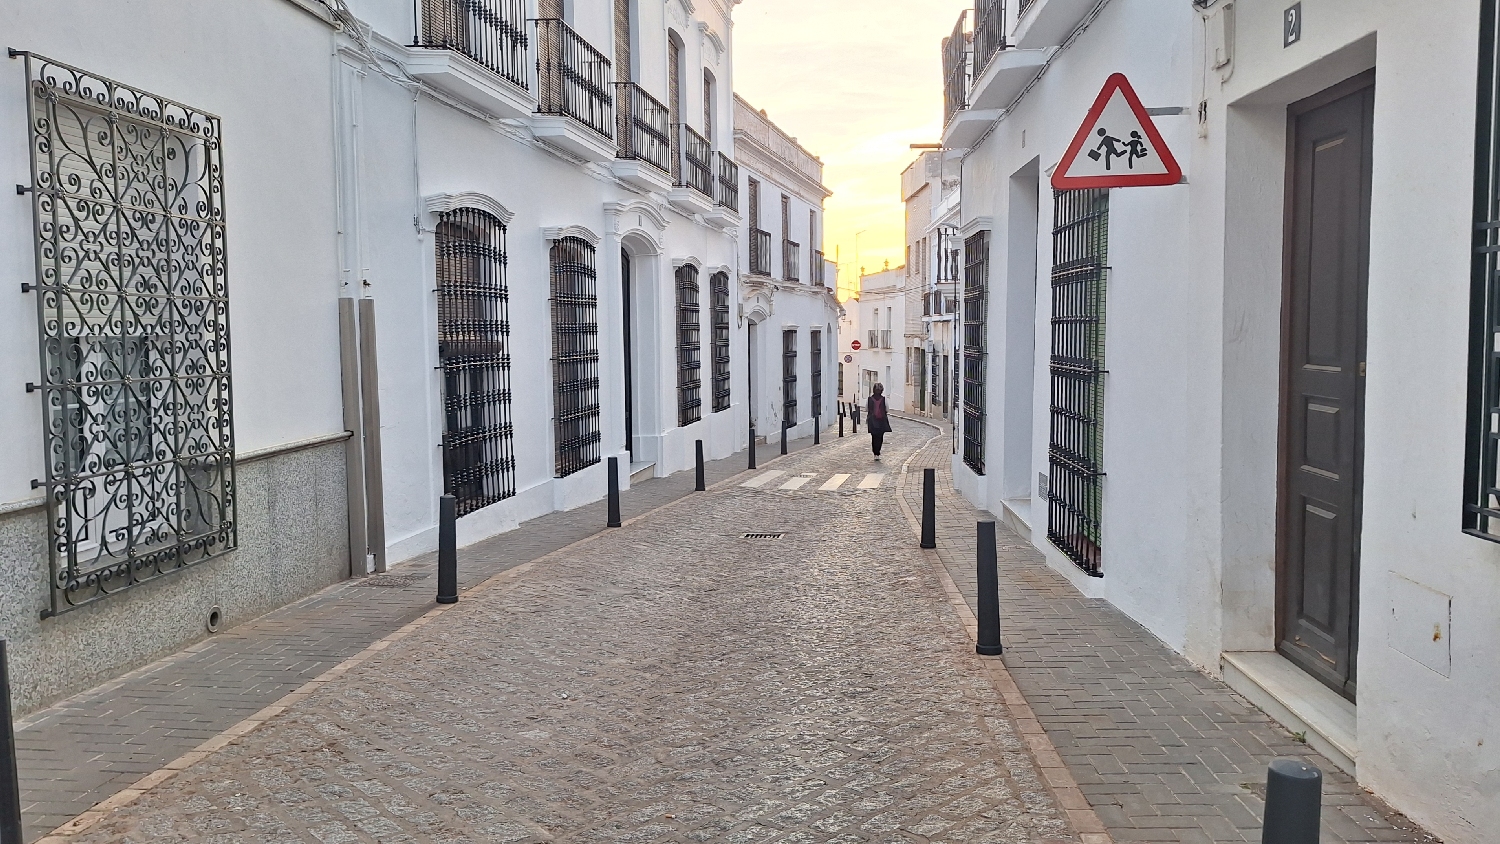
796, 483
833, 483
871, 481
761, 480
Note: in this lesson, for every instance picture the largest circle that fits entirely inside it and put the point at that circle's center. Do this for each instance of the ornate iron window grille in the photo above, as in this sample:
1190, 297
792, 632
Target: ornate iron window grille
133, 323
575, 355
491, 32
644, 127
729, 183
572, 78
976, 306
1481, 514
719, 287
1080, 240
689, 348
473, 300
815, 360
789, 377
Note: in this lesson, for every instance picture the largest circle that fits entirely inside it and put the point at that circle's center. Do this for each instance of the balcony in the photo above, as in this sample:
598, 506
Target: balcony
989, 32
642, 133
476, 51
982, 75
956, 54
692, 172
874, 339
791, 260
729, 183
885, 338
1048, 23
818, 274
575, 104
760, 252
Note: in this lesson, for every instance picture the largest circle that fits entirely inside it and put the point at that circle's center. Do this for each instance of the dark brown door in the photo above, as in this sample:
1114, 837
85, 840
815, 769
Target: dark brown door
1322, 403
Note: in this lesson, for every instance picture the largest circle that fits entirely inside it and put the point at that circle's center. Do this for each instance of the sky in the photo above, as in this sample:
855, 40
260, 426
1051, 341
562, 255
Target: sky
856, 82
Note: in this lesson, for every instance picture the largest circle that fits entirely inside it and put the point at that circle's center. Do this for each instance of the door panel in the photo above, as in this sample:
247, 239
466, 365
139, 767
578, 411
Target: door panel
1322, 436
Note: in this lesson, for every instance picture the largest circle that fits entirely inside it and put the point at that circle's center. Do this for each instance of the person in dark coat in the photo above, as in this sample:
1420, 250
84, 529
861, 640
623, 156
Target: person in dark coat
879, 421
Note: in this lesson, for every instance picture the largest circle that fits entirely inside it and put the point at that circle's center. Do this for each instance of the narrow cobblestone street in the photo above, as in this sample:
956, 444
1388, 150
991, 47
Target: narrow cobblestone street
669, 681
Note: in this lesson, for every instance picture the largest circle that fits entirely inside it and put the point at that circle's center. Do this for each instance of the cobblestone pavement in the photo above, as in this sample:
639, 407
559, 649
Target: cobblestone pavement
1164, 752
88, 747
668, 681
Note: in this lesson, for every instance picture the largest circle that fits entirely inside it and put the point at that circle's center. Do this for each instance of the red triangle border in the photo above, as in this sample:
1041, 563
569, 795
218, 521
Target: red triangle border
1116, 82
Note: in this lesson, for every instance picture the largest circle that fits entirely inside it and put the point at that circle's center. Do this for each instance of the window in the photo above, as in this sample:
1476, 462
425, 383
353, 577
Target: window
789, 377
708, 106
689, 365
1075, 454
133, 317
815, 359
719, 290
575, 355
976, 304
1482, 464
474, 353
491, 32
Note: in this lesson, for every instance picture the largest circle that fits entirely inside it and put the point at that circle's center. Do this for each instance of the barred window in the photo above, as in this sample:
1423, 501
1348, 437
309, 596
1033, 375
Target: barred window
719, 285
789, 377
976, 304
133, 317
479, 462
1075, 454
1481, 515
575, 355
815, 360
689, 351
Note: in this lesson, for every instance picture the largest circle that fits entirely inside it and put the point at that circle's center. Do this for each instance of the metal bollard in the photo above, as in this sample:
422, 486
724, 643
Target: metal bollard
783, 436
854, 417
817, 430
614, 493
841, 423
1294, 799
10, 780
989, 593
929, 508
752, 446
700, 486
447, 550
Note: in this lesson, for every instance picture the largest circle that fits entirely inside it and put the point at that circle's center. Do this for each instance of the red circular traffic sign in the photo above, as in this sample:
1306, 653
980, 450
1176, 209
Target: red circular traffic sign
854, 345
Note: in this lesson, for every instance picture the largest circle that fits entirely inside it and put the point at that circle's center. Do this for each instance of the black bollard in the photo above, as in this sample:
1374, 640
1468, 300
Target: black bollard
614, 493
1294, 798
700, 487
841, 423
817, 430
929, 508
752, 446
10, 781
447, 550
854, 416
783, 436
989, 593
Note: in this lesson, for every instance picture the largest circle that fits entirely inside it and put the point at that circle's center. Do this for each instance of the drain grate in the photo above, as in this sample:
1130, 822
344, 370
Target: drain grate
763, 536
395, 581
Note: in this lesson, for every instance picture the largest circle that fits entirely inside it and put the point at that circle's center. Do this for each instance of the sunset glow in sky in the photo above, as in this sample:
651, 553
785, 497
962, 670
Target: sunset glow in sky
856, 82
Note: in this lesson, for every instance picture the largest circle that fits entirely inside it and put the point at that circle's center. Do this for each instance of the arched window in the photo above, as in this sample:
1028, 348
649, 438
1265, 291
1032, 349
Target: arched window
575, 354
689, 347
474, 353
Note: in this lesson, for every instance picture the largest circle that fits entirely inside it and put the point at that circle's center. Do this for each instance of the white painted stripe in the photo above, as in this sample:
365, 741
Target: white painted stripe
795, 483
762, 480
871, 481
834, 482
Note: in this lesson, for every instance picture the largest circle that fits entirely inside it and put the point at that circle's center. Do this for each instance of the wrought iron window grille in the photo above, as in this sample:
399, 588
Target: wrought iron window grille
976, 307
1080, 240
729, 183
473, 301
697, 170
789, 377
1481, 511
760, 252
791, 260
643, 129
689, 348
719, 290
815, 359
133, 323
572, 78
575, 355
491, 32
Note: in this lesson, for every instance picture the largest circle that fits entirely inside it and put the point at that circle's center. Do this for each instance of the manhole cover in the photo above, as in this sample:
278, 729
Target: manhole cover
390, 580
763, 536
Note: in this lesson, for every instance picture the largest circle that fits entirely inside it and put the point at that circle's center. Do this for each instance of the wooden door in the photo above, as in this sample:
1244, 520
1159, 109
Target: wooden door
1322, 402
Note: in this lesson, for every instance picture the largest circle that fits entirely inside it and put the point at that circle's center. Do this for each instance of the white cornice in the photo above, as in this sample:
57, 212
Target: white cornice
646, 210
442, 203
679, 263
975, 225
583, 233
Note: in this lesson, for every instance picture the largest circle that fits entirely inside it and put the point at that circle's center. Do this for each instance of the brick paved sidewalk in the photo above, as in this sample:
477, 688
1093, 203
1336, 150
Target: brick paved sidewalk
1164, 752
672, 681
84, 749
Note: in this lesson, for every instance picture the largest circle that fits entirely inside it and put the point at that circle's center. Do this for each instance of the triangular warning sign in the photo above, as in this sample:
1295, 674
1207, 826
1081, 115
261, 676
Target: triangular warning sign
1117, 146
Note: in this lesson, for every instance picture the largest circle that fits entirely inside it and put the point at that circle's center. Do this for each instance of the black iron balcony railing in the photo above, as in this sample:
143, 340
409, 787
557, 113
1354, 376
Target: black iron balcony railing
491, 32
729, 183
817, 276
572, 78
1021, 9
938, 303
791, 260
696, 170
989, 33
885, 338
874, 339
956, 69
642, 127
760, 252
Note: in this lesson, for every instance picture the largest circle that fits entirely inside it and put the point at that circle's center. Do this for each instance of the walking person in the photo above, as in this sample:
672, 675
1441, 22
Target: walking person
878, 421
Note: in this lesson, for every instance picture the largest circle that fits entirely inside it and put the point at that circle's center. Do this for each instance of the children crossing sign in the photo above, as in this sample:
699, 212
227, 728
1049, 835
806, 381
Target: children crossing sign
1117, 146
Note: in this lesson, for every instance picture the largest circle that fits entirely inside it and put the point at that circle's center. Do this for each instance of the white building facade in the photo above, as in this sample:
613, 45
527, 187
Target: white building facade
878, 321
787, 305
1254, 410
929, 189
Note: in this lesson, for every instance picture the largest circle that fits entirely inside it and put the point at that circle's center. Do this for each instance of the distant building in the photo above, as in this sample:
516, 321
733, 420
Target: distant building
929, 188
878, 321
